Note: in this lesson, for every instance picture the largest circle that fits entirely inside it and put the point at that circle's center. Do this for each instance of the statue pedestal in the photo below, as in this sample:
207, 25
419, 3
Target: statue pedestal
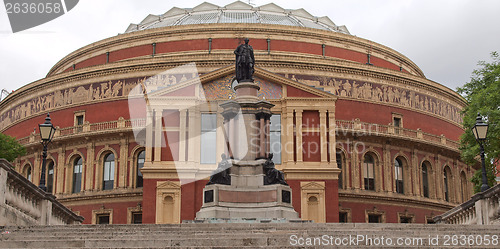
255, 190
247, 196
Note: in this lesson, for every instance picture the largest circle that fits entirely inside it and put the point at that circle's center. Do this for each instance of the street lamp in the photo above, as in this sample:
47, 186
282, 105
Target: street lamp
480, 129
47, 131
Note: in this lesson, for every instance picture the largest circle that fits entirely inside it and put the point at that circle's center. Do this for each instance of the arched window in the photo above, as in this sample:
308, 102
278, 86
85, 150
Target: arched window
109, 171
77, 175
463, 185
446, 179
140, 163
398, 175
27, 172
50, 176
368, 172
425, 179
339, 165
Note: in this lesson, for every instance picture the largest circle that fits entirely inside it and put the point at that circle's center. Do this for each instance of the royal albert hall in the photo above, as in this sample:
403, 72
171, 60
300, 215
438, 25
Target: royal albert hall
359, 132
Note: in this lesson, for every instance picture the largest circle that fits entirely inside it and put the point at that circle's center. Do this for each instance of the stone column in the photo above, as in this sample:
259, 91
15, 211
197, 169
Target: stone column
158, 133
149, 136
323, 138
191, 135
298, 131
415, 168
61, 165
332, 141
219, 136
123, 169
355, 167
289, 146
182, 135
387, 168
267, 136
37, 166
438, 178
89, 167
262, 137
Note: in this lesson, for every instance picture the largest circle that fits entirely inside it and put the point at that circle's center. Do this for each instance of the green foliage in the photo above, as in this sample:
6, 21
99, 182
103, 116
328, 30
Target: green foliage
10, 149
482, 94
477, 179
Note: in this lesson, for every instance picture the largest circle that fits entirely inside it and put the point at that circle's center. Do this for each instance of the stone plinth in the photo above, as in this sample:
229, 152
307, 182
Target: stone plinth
247, 196
246, 124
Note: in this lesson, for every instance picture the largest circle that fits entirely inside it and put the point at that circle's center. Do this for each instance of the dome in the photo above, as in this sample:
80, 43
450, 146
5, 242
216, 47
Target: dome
237, 12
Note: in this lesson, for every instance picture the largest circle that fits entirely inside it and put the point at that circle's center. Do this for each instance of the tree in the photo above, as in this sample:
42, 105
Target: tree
10, 149
482, 94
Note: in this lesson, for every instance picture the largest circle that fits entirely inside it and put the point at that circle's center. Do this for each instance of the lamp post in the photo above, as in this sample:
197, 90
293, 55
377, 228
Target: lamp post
47, 131
480, 129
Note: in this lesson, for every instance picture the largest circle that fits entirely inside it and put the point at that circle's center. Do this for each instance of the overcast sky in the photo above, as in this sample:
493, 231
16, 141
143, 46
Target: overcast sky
445, 38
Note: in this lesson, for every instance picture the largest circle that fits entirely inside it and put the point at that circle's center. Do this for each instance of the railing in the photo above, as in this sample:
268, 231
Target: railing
23, 203
362, 128
342, 127
482, 209
89, 128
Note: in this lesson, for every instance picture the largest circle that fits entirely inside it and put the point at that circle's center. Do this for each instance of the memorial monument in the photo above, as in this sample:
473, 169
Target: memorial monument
246, 184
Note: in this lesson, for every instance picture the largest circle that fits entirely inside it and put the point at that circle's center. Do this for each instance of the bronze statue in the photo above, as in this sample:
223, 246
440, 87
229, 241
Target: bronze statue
221, 174
245, 62
272, 175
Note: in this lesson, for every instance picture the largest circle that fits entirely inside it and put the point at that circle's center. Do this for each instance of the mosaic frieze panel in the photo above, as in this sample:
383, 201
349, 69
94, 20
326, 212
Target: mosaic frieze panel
221, 89
382, 93
86, 93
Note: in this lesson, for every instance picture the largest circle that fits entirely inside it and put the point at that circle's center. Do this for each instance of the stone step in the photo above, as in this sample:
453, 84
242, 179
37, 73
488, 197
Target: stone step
227, 235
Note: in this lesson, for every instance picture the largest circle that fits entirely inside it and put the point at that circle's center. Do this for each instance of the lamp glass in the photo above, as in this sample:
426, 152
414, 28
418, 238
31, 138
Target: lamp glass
46, 132
480, 131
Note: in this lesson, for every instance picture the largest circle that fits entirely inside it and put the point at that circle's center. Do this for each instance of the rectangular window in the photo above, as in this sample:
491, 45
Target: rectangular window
79, 120
404, 219
343, 217
275, 138
136, 218
374, 218
208, 138
103, 219
397, 122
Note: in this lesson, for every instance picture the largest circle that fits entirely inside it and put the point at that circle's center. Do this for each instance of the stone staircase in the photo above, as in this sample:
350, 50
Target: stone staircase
252, 235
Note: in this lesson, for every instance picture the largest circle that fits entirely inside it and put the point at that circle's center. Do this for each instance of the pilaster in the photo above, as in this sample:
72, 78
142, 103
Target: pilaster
88, 167
298, 129
58, 187
289, 147
182, 135
387, 168
158, 130
123, 168
331, 131
149, 136
416, 170
323, 137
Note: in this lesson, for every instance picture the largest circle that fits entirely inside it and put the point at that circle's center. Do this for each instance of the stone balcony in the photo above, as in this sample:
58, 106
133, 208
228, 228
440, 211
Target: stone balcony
343, 127
23, 203
482, 209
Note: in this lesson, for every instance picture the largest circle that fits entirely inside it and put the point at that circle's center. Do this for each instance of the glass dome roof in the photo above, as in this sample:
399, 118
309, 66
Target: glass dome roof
237, 12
